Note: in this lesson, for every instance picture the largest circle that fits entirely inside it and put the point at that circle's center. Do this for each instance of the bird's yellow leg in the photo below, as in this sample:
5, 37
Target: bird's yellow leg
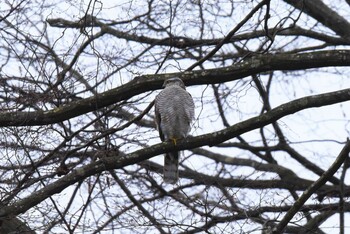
173, 140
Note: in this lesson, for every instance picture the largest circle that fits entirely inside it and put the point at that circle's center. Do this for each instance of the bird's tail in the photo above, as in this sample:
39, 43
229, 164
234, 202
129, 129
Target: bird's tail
171, 167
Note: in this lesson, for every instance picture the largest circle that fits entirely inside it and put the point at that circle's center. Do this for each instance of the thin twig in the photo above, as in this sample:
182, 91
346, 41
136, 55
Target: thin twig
228, 37
309, 191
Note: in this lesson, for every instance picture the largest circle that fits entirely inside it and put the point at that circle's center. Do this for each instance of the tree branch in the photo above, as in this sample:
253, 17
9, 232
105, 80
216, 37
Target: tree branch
322, 13
254, 65
229, 35
312, 189
182, 42
118, 162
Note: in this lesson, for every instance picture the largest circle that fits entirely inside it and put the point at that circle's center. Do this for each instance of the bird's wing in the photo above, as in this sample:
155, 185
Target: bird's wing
158, 120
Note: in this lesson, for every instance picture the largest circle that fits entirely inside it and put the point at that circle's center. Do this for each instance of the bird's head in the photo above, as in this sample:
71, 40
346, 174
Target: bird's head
174, 81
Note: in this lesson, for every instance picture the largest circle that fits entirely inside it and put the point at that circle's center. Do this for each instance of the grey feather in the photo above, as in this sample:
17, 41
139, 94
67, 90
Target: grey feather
171, 167
174, 112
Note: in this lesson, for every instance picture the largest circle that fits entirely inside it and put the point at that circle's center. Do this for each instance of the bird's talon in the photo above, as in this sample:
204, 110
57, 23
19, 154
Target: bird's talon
174, 140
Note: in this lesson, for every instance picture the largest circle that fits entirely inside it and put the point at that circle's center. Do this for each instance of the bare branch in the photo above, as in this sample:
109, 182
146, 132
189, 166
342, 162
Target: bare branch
313, 188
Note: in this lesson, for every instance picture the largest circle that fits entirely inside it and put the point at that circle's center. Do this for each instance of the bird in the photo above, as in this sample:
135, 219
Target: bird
174, 113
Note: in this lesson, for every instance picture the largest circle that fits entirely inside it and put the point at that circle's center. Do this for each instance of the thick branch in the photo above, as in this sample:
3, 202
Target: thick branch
146, 153
254, 65
322, 13
15, 225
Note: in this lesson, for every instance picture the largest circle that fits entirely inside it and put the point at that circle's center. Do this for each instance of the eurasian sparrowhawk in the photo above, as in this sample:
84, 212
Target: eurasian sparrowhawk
174, 112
